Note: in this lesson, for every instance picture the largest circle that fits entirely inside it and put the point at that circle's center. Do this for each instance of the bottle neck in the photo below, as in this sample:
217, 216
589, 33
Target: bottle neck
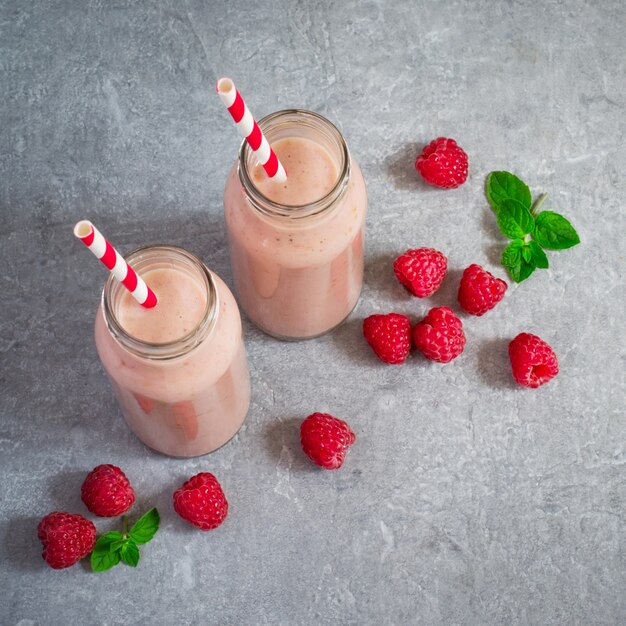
172, 258
297, 123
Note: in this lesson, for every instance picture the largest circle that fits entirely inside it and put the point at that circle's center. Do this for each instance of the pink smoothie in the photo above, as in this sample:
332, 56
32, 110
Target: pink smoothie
182, 301
312, 173
191, 404
297, 278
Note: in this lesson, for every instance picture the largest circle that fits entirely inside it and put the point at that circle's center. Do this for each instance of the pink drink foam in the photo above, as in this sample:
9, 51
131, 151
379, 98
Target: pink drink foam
311, 173
182, 301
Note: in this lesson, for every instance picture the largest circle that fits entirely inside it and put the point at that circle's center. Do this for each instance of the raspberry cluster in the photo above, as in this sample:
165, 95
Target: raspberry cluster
69, 537
107, 492
439, 336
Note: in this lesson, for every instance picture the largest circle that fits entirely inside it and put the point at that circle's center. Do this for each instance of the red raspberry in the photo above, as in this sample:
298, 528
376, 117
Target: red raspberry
533, 361
107, 492
443, 163
325, 439
480, 290
66, 538
389, 336
421, 271
201, 501
440, 335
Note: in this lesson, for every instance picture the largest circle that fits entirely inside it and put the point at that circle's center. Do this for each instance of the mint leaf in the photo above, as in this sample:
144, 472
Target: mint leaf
504, 185
102, 558
554, 232
513, 259
130, 553
105, 541
538, 256
514, 219
116, 545
526, 253
144, 529
512, 254
106, 553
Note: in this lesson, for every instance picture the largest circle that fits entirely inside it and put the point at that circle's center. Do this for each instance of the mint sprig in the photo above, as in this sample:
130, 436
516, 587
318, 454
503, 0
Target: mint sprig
114, 547
531, 232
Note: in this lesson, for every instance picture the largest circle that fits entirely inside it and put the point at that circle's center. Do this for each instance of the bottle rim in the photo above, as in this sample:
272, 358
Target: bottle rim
140, 258
295, 117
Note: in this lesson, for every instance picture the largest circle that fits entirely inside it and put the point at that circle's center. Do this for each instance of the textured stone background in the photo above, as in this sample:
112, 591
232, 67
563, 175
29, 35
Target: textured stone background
466, 500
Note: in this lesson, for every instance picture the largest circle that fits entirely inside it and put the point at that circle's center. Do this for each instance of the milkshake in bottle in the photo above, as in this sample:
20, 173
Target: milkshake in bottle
297, 246
179, 370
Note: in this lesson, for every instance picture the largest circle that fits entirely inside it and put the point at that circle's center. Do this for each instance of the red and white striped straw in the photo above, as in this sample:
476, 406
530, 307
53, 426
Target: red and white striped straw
250, 130
114, 261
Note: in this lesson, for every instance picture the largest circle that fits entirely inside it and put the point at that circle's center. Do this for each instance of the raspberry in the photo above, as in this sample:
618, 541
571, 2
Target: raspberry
443, 163
532, 360
440, 335
325, 439
66, 538
389, 336
201, 501
421, 271
107, 492
479, 290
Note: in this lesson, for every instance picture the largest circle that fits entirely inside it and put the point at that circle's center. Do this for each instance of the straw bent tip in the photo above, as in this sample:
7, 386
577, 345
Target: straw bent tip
249, 129
115, 263
83, 228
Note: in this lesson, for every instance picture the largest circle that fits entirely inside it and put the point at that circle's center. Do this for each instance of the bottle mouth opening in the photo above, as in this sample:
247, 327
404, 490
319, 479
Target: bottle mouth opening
148, 258
293, 123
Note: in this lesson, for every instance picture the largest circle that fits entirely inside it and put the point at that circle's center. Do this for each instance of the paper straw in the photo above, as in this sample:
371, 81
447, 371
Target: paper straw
250, 130
114, 261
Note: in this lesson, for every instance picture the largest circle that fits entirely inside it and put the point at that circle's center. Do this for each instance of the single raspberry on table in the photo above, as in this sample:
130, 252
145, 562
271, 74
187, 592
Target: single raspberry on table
107, 492
66, 538
443, 163
389, 336
325, 439
480, 290
532, 360
440, 335
201, 501
421, 271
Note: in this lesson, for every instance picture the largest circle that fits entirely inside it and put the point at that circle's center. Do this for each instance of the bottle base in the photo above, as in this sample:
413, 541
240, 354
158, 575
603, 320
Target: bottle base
192, 456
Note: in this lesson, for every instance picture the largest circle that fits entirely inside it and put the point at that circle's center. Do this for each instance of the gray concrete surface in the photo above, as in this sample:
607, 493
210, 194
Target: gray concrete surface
466, 500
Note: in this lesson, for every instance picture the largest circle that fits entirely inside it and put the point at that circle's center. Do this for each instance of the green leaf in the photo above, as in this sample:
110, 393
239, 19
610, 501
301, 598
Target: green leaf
130, 553
117, 545
106, 553
554, 232
526, 253
105, 541
103, 559
514, 219
512, 254
144, 529
513, 259
538, 256
504, 185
